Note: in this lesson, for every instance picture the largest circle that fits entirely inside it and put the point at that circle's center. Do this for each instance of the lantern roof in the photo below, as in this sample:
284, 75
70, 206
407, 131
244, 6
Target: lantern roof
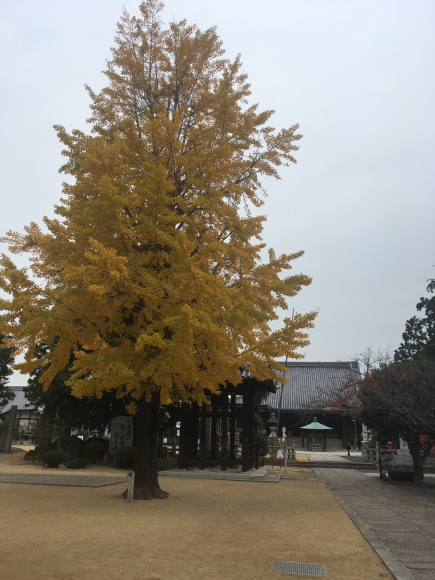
316, 426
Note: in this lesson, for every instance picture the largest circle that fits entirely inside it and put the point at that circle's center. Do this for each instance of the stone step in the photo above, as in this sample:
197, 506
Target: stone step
332, 464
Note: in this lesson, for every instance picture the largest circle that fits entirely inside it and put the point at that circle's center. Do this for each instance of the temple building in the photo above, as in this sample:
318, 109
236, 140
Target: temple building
26, 412
309, 393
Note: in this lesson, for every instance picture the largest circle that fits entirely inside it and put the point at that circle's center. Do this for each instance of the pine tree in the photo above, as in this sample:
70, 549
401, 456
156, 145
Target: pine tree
419, 335
153, 274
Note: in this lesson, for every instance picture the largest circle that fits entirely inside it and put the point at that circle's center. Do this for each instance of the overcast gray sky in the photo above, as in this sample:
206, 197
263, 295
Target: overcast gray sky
358, 75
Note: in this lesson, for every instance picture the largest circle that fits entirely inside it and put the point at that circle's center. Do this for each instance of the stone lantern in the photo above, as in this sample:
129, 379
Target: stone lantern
275, 442
273, 423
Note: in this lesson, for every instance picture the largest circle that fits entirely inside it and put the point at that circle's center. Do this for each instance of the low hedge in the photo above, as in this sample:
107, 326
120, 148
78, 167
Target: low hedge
125, 457
95, 450
52, 458
402, 475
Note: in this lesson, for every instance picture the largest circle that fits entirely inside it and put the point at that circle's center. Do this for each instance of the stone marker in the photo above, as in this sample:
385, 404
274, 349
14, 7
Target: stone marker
121, 434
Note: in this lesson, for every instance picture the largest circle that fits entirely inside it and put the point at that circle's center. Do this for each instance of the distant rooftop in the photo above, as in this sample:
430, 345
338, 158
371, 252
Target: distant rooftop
308, 382
19, 400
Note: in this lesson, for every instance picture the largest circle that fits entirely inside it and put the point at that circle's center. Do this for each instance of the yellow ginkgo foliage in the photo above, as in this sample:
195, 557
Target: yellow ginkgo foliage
152, 274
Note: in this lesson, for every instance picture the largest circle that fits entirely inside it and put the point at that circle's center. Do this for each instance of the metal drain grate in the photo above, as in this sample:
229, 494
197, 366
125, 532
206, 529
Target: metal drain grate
299, 568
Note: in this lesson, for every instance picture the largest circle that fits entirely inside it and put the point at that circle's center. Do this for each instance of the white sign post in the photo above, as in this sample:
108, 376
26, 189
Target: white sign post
130, 489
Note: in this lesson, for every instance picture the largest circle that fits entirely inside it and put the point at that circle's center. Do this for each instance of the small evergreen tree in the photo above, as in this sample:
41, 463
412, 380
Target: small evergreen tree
261, 447
419, 335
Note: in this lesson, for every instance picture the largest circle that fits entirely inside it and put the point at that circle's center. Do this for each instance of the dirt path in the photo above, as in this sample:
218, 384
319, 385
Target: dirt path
206, 530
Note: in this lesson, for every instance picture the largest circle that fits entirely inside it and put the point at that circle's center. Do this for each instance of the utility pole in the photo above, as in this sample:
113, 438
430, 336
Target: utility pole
380, 457
280, 399
282, 388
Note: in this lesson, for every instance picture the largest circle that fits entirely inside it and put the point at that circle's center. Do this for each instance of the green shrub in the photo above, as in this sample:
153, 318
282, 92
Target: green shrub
125, 457
83, 433
95, 450
52, 458
402, 475
77, 464
261, 447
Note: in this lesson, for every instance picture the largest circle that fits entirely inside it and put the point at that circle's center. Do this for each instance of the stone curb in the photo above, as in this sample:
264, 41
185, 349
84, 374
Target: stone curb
396, 568
222, 476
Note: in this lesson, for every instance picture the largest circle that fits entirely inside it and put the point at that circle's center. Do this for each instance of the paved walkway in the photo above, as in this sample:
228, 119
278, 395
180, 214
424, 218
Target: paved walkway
394, 517
61, 479
340, 457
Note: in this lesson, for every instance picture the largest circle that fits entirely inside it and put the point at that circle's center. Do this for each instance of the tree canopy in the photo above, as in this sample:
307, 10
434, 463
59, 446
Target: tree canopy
71, 412
419, 335
398, 399
153, 275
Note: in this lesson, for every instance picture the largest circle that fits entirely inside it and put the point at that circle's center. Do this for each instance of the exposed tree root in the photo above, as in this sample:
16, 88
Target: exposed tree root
146, 493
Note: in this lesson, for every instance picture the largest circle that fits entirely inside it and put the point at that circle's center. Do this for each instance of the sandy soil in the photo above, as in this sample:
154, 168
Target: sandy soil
15, 463
208, 530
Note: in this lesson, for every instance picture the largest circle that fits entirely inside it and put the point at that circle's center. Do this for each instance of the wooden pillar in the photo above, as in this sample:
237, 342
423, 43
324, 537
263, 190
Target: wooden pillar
160, 443
192, 429
207, 432
184, 419
11, 428
201, 457
324, 441
302, 435
233, 427
213, 434
247, 427
174, 442
224, 432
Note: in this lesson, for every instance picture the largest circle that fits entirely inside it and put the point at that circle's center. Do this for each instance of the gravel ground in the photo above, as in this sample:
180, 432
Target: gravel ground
206, 530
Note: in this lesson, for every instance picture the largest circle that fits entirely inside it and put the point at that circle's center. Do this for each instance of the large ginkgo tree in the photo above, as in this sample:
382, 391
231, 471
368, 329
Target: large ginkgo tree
152, 274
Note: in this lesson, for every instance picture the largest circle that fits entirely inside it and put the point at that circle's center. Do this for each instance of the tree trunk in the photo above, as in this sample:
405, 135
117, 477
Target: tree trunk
63, 435
247, 428
418, 459
146, 483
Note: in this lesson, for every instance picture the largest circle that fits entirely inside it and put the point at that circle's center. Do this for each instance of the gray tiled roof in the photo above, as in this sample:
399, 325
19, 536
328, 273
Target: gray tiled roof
19, 400
308, 383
